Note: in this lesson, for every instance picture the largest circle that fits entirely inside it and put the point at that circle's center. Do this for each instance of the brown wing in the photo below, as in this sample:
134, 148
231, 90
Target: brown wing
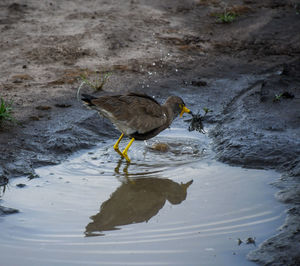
138, 111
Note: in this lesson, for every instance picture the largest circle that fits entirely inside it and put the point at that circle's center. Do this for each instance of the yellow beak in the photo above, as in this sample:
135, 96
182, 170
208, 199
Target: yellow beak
184, 110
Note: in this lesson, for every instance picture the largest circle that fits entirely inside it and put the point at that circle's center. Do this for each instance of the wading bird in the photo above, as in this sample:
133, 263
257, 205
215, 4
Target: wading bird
136, 115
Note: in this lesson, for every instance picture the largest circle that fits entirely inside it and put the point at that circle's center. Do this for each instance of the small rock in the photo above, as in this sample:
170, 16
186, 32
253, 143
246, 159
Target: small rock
32, 176
250, 240
63, 105
162, 147
34, 118
198, 83
239, 241
6, 210
21, 77
287, 95
43, 107
20, 185
16, 81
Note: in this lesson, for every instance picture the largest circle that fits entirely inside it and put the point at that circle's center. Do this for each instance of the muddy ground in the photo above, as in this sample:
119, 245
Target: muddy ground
158, 47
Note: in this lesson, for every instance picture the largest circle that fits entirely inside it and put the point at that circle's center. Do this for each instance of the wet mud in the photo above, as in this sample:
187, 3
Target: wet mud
247, 72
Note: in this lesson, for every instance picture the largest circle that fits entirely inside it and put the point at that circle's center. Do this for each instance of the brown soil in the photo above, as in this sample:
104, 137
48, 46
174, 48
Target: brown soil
46, 46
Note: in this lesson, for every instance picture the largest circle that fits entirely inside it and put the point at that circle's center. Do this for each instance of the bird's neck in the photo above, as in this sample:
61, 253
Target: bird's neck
169, 113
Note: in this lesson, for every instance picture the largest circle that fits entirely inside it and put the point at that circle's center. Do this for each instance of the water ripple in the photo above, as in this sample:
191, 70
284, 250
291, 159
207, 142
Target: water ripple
175, 207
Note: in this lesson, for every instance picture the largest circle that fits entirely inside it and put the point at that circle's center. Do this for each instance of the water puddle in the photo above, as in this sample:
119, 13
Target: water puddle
178, 207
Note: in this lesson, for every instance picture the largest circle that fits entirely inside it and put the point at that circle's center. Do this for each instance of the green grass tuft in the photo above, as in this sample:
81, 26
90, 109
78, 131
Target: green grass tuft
206, 110
98, 83
6, 111
226, 17
277, 97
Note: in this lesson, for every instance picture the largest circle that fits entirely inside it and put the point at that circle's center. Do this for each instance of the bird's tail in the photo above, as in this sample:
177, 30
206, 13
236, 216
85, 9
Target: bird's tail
87, 99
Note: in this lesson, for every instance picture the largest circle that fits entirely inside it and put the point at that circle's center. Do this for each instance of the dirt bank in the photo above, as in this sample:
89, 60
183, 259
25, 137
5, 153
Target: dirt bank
159, 47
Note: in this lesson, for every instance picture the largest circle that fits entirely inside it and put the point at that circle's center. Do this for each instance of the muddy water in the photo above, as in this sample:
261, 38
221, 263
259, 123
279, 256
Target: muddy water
178, 207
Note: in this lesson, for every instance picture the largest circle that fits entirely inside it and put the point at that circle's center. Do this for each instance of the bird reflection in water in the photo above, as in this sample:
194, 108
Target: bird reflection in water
135, 201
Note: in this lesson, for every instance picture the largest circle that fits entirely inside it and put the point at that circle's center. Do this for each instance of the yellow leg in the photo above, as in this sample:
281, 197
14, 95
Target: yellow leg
116, 146
124, 153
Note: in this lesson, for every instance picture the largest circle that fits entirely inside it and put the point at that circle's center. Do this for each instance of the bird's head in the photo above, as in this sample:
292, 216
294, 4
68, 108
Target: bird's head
177, 105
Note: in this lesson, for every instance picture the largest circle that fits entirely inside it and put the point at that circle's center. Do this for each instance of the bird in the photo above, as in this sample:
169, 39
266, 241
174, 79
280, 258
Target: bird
136, 115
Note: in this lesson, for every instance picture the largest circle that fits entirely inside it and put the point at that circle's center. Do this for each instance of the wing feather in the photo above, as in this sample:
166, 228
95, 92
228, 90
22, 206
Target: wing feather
139, 112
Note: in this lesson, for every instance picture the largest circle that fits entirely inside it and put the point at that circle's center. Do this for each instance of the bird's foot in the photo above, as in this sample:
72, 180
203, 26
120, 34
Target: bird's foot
124, 155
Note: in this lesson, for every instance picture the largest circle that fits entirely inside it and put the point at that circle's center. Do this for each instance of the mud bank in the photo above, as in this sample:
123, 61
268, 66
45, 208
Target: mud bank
247, 72
257, 131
